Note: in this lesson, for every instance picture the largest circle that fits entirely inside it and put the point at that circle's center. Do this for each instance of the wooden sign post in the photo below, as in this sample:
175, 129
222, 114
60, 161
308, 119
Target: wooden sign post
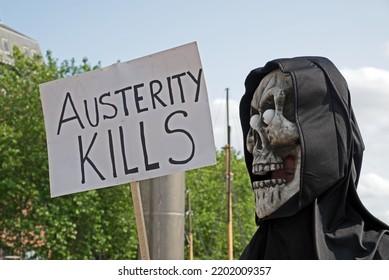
140, 221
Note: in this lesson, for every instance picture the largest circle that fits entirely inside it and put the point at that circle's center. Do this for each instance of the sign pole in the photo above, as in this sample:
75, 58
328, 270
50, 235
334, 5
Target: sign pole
229, 187
140, 222
190, 229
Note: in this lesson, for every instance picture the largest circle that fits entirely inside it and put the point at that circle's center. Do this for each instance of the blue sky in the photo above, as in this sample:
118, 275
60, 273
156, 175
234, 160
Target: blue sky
233, 38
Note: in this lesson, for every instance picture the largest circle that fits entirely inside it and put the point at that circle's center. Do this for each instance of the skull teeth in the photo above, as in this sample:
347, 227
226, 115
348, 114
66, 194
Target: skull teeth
262, 169
268, 183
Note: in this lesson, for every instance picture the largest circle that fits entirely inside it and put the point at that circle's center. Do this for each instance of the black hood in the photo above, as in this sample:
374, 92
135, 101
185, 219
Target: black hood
325, 219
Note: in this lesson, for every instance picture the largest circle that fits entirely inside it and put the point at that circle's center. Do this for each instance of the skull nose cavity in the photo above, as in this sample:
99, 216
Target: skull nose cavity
262, 169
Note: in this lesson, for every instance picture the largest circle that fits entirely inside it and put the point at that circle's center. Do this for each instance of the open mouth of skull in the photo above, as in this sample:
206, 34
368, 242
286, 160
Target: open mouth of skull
277, 182
278, 173
273, 140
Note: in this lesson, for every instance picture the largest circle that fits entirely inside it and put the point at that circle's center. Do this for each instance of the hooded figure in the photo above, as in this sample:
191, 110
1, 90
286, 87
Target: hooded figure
304, 155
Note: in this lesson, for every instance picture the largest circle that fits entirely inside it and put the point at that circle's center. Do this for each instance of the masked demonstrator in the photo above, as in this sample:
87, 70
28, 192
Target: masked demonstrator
304, 155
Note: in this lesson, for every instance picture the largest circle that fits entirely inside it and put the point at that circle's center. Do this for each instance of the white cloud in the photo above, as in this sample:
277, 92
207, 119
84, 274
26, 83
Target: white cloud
367, 78
374, 185
373, 191
385, 217
219, 121
369, 88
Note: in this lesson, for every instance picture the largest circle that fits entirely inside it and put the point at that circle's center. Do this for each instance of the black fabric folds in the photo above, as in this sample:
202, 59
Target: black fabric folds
325, 219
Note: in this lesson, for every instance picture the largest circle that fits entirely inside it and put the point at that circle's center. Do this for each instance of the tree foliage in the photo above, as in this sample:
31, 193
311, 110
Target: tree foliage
208, 189
89, 225
95, 224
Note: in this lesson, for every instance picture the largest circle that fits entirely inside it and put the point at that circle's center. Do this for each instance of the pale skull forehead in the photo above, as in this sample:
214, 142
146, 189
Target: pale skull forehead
274, 81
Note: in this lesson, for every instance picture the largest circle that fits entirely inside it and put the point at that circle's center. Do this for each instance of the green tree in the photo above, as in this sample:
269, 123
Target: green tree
208, 192
94, 224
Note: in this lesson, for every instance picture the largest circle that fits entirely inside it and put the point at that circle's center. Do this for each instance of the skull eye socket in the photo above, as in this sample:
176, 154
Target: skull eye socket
253, 139
254, 121
268, 116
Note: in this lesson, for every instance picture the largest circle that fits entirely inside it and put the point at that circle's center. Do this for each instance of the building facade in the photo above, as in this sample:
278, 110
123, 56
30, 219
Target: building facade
10, 38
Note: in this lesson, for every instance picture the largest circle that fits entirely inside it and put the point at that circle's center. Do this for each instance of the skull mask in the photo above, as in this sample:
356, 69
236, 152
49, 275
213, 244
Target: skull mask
273, 140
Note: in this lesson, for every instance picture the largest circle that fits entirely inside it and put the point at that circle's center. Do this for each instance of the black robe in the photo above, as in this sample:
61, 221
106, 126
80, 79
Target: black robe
325, 219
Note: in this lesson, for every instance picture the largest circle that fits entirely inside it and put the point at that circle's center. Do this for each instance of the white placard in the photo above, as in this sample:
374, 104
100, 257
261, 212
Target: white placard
131, 121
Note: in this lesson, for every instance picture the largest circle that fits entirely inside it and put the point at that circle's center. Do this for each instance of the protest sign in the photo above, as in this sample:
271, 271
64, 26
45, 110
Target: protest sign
131, 121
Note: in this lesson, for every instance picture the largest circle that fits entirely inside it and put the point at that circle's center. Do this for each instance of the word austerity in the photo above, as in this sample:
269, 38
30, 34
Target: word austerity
103, 101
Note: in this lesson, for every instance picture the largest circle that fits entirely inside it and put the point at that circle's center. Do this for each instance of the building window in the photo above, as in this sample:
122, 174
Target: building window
6, 47
25, 51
